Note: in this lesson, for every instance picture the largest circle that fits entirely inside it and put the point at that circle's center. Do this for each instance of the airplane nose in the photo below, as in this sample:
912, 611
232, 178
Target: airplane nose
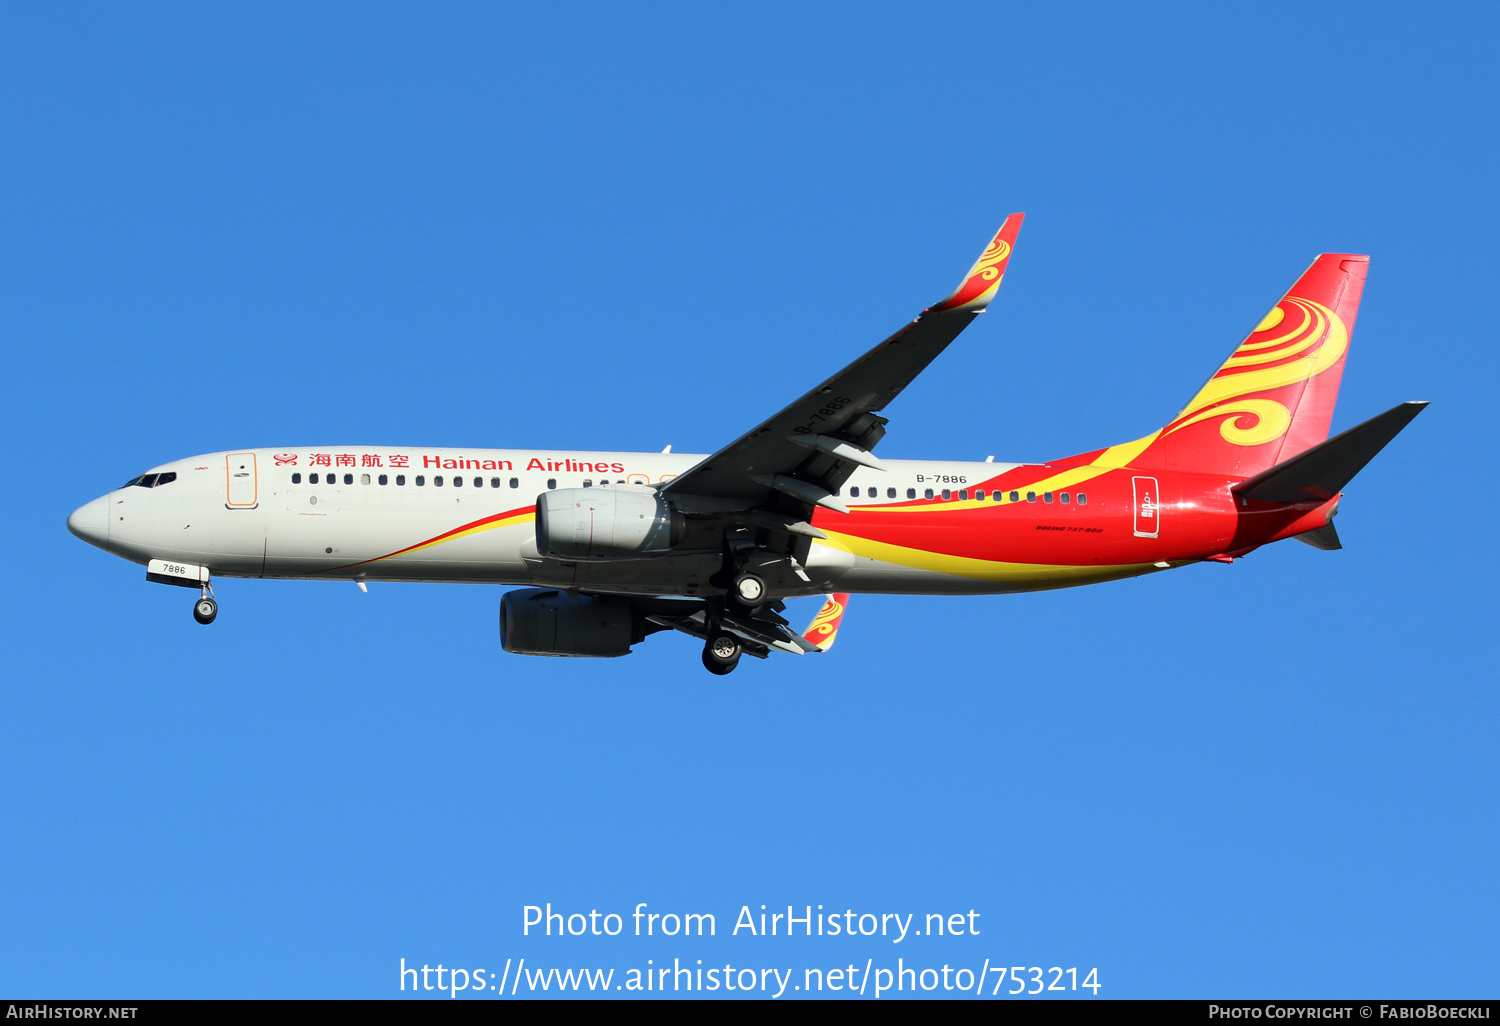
91, 522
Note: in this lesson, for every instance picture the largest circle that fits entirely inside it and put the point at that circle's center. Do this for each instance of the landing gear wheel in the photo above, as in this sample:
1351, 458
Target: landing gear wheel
749, 590
722, 653
205, 610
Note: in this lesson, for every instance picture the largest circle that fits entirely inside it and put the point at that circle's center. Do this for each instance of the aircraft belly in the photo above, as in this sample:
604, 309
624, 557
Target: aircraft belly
872, 576
681, 575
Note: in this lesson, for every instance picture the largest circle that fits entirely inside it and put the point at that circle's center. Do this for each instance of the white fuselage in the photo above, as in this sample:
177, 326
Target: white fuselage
462, 515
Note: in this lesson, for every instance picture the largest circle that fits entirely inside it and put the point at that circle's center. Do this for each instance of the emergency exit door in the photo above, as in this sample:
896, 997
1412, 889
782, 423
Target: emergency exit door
242, 490
1147, 507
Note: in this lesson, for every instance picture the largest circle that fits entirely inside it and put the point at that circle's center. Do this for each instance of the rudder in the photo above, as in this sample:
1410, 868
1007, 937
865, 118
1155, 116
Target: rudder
1273, 398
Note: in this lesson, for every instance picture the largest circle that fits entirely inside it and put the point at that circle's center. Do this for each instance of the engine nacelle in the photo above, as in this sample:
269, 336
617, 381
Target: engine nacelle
545, 622
605, 523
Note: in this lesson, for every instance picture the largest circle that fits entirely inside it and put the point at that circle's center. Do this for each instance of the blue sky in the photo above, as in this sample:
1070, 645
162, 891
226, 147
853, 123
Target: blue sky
600, 227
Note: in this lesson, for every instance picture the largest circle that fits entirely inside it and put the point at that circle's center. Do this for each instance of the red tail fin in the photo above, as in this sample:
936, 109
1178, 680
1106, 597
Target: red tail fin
1274, 397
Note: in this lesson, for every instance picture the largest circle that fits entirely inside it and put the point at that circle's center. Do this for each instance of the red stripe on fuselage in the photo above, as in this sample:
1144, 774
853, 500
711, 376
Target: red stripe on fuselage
518, 511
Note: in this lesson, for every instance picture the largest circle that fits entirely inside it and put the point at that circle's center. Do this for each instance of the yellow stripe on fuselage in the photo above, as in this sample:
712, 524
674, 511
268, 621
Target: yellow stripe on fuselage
519, 518
1022, 574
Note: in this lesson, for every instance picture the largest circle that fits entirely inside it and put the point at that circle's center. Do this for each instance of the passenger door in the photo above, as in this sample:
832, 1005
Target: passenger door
242, 488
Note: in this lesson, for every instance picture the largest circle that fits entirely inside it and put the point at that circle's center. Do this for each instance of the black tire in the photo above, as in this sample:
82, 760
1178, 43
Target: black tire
749, 591
722, 653
204, 610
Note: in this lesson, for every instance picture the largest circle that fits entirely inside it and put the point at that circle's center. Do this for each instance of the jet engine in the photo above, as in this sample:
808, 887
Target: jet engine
545, 622
605, 523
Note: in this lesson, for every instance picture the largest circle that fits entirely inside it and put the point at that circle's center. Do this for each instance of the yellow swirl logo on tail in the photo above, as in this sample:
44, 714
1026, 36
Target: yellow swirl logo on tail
1273, 356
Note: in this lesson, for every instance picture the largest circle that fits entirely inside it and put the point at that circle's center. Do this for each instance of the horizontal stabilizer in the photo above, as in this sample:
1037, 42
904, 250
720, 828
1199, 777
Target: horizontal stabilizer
1321, 472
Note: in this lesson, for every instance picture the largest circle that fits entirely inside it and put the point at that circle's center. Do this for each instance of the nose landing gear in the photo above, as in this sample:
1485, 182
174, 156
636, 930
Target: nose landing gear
205, 609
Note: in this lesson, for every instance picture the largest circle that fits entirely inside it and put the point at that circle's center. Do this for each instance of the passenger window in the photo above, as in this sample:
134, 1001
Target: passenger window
1065, 498
947, 495
890, 493
458, 482
928, 493
383, 479
364, 479
312, 478
348, 479
1015, 496
911, 493
588, 482
400, 479
963, 494
494, 482
551, 483
853, 493
421, 480
515, 482
1046, 496
437, 482
296, 479
1031, 496
166, 478
979, 495
1082, 499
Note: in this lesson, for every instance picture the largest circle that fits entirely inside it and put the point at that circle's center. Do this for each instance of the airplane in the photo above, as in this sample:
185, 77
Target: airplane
611, 547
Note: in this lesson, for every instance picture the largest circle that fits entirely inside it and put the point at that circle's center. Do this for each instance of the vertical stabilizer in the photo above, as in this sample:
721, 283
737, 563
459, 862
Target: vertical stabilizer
1273, 398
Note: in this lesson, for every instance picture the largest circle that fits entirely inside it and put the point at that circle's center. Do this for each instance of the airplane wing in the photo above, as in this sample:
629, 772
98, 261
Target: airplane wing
759, 632
798, 458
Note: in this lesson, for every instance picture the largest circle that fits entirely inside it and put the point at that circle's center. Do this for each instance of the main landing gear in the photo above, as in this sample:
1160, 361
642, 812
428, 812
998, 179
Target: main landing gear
748, 590
722, 653
205, 609
745, 594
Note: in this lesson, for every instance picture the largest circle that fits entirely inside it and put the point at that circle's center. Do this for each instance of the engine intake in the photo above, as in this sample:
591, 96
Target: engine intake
605, 523
545, 622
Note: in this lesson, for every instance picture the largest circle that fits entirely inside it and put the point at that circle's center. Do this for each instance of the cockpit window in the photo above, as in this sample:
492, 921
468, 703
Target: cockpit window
150, 480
